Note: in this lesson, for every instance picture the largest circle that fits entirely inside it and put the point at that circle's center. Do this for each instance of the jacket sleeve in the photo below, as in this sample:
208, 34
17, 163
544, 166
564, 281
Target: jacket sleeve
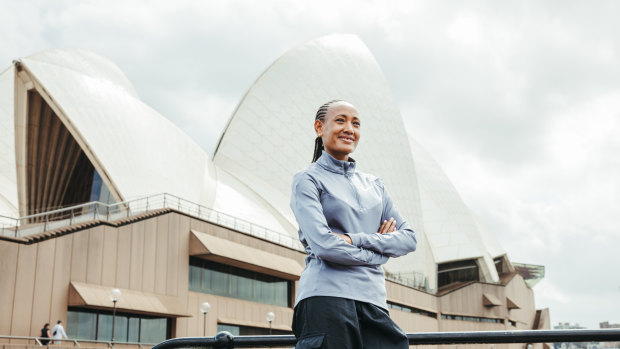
395, 244
306, 205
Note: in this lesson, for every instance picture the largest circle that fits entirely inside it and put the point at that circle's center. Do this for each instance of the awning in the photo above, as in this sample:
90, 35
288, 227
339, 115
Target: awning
242, 256
511, 304
490, 300
97, 296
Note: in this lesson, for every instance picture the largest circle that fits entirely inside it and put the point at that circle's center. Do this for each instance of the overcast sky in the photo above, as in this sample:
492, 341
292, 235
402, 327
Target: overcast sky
518, 101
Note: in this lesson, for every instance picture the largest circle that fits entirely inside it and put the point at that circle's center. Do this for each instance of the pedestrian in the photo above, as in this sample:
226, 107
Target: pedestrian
58, 332
349, 227
45, 333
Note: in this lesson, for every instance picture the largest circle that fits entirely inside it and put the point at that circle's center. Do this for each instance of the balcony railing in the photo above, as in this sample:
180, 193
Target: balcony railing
227, 340
64, 217
77, 343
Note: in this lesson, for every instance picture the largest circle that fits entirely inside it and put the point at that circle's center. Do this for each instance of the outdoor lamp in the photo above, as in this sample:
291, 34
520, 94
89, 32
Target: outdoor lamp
270, 317
204, 309
115, 295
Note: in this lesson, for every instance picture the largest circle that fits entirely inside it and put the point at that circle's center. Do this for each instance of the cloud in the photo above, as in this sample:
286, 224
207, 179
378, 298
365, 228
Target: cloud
517, 101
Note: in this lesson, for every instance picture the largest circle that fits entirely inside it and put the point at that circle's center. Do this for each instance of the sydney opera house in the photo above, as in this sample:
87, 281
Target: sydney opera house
99, 191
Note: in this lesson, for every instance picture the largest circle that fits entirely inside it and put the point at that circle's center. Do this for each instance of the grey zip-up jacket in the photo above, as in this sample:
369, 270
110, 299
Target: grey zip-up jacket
330, 196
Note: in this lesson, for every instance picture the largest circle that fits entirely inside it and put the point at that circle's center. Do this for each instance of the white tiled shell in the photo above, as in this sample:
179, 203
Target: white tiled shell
8, 177
453, 232
142, 152
238, 200
270, 136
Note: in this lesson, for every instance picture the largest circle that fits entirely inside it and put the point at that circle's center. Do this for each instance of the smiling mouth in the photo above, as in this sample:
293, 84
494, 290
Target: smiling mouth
347, 139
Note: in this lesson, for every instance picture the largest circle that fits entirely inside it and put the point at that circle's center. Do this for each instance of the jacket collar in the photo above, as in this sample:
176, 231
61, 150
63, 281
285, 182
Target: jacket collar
329, 163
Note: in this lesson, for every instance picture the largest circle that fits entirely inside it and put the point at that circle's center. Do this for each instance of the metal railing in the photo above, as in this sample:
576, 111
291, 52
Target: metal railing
76, 342
64, 217
227, 340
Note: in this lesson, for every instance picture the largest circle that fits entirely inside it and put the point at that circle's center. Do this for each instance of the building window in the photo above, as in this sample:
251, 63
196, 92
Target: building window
99, 191
409, 309
501, 265
224, 280
236, 330
461, 271
97, 325
472, 318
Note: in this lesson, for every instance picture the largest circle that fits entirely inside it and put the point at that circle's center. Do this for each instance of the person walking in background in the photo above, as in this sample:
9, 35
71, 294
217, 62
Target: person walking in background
58, 332
45, 333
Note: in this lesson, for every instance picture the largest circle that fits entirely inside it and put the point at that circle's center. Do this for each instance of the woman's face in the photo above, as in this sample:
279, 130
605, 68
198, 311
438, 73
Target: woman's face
339, 130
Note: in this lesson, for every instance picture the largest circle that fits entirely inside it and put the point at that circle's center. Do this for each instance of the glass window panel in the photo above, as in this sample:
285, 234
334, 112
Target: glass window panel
234, 330
96, 187
104, 327
246, 288
195, 274
81, 325
153, 330
234, 286
120, 329
206, 279
105, 195
219, 283
263, 295
133, 329
228, 281
97, 325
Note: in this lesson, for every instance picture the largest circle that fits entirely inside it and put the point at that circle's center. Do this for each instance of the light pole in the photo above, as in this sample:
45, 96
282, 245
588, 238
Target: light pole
204, 308
115, 295
270, 317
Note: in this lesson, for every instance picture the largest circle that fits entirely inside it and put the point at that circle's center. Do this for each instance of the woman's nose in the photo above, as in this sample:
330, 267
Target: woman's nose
348, 127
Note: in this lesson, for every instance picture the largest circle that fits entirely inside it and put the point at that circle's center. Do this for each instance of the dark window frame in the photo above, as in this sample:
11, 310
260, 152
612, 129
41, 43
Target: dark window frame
457, 271
98, 312
230, 270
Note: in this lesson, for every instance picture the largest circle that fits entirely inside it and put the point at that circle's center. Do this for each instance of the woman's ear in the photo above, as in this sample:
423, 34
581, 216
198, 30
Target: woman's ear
318, 128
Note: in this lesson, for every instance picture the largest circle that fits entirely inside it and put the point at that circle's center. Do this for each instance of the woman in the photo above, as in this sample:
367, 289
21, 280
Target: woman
45, 333
349, 227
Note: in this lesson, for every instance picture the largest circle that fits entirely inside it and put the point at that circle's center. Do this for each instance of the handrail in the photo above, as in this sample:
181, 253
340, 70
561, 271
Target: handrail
95, 210
227, 340
57, 218
76, 342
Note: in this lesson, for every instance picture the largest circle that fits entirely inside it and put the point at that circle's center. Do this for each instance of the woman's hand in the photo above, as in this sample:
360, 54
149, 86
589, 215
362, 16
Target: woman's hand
387, 226
344, 237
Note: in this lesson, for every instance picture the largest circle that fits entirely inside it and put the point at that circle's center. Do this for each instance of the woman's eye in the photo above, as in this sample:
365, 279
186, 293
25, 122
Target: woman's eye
357, 124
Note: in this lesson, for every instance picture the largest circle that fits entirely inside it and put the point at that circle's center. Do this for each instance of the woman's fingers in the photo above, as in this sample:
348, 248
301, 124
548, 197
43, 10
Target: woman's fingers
387, 226
382, 228
392, 226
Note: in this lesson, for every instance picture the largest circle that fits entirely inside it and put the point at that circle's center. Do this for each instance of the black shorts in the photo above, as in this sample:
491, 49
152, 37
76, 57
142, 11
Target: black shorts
341, 323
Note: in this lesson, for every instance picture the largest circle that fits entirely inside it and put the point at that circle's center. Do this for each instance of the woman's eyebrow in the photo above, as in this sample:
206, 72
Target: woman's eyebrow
345, 115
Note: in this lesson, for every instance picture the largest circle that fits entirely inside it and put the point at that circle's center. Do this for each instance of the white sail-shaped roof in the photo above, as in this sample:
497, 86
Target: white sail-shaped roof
453, 231
271, 135
269, 138
8, 179
140, 151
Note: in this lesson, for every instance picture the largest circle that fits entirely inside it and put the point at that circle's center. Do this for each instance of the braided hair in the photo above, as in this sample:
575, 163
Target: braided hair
320, 115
